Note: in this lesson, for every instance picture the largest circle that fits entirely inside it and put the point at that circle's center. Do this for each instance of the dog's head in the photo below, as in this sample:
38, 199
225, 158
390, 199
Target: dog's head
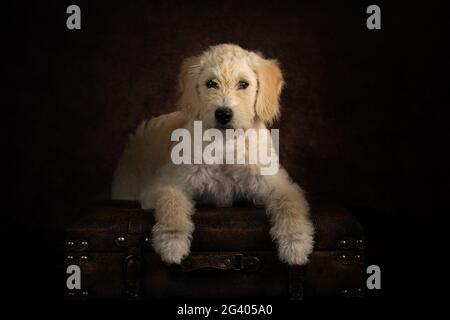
229, 87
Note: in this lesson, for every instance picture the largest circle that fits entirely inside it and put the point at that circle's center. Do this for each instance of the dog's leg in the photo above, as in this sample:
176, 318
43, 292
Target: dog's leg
173, 229
288, 210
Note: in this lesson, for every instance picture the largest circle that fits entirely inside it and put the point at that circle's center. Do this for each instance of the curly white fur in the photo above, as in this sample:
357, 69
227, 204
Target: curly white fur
146, 173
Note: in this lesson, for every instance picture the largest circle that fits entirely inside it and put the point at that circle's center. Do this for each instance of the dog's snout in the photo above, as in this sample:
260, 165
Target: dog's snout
224, 115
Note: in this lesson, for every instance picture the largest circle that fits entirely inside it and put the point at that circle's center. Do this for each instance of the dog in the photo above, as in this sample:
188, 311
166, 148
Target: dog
225, 87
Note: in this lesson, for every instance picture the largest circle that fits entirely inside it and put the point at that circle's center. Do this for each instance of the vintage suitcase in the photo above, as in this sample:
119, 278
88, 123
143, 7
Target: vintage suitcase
232, 256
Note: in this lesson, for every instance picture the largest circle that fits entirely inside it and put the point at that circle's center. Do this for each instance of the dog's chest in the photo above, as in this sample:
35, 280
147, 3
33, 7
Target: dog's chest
221, 184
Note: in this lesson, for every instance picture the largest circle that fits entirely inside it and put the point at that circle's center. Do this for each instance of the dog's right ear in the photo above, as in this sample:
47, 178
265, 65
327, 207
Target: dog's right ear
187, 79
270, 83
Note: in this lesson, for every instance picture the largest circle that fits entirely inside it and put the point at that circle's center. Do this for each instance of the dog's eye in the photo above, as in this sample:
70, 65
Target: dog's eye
212, 84
242, 85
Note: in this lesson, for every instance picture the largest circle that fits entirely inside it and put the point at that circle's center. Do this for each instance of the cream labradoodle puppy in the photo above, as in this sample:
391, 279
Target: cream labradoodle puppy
226, 87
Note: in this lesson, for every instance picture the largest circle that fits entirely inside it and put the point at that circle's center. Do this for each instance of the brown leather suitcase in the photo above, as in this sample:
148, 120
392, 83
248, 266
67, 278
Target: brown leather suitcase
232, 256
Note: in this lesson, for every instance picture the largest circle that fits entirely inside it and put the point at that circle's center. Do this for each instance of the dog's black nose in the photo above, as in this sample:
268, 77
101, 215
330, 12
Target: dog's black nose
223, 115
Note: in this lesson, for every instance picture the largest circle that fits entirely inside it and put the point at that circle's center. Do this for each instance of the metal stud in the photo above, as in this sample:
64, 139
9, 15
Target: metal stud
344, 291
227, 261
147, 239
121, 239
359, 241
342, 243
85, 293
84, 243
83, 257
69, 257
71, 293
342, 257
70, 243
357, 256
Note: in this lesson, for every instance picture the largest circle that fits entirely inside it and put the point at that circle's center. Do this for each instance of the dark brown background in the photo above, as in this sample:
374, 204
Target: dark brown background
363, 113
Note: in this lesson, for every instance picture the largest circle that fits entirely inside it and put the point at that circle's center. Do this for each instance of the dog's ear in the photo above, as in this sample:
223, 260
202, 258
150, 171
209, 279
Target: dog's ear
270, 83
187, 81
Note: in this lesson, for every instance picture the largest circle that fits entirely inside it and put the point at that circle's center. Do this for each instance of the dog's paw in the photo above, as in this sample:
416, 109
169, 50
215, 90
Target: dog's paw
172, 246
295, 250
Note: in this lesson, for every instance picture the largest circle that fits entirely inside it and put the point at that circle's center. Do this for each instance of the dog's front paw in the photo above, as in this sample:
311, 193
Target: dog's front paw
295, 250
172, 246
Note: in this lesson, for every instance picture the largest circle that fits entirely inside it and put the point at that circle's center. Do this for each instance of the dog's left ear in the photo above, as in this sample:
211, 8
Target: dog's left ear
270, 83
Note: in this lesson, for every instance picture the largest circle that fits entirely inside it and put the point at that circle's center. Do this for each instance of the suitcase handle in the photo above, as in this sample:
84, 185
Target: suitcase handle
227, 262
239, 262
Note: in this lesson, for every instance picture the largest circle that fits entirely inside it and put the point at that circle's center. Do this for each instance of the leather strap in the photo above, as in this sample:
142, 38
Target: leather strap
133, 262
296, 282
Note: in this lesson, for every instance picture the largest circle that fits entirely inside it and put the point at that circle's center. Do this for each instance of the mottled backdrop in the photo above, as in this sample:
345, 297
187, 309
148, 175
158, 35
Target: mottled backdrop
362, 122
